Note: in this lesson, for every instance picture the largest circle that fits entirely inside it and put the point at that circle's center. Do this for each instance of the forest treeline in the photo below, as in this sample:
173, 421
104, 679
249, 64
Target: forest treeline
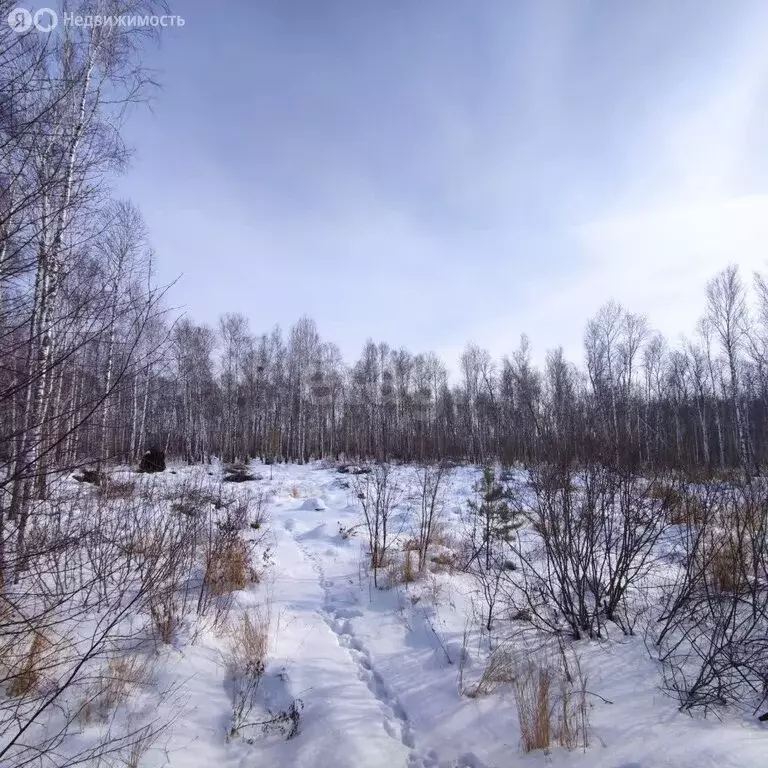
96, 368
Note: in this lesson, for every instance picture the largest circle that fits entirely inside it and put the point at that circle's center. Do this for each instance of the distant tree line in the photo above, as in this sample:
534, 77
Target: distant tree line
197, 392
699, 406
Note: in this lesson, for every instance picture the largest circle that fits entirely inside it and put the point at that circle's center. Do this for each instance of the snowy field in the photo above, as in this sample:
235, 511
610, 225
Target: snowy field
389, 676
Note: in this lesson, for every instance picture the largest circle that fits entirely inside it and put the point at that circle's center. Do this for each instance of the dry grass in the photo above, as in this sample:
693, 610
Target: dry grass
166, 615
661, 491
442, 537
294, 492
236, 516
247, 640
400, 569
501, 669
112, 489
549, 691
8, 640
725, 566
227, 566
432, 591
444, 562
28, 675
532, 688
246, 661
258, 509
141, 745
122, 675
728, 557
553, 697
689, 510
193, 500
408, 571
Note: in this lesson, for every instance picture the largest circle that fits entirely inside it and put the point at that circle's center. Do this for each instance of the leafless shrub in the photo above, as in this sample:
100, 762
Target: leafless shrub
142, 743
445, 561
85, 557
378, 493
711, 634
597, 542
347, 531
194, 497
430, 483
688, 509
432, 591
665, 491
246, 663
258, 509
167, 615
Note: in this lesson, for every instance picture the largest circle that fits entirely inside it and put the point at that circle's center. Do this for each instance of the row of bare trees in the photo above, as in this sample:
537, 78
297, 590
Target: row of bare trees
81, 331
702, 405
81, 323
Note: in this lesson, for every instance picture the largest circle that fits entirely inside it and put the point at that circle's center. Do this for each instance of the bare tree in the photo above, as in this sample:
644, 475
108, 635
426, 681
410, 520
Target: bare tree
431, 481
378, 493
727, 314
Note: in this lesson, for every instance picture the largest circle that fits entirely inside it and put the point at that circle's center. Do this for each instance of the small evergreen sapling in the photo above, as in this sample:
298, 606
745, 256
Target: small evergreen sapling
493, 519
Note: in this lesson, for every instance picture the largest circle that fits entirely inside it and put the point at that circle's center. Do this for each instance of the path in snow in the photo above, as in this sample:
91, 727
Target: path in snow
342, 724
336, 601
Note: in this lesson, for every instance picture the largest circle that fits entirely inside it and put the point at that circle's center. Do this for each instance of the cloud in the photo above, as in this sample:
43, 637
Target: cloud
656, 262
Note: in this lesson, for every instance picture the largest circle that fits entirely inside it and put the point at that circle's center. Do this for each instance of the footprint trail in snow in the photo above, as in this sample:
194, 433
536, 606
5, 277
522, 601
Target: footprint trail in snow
340, 606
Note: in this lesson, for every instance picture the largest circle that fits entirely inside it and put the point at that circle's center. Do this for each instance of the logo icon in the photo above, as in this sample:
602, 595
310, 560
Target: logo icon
45, 19
21, 20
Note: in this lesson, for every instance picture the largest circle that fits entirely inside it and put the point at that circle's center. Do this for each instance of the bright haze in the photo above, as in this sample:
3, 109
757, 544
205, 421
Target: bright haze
432, 173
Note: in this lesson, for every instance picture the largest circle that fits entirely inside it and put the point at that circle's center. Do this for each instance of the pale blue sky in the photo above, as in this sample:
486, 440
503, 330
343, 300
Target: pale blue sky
435, 172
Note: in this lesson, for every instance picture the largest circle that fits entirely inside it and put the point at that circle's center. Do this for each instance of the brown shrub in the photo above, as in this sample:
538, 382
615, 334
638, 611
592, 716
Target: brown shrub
444, 561
166, 613
246, 660
689, 509
500, 669
111, 489
27, 677
122, 675
227, 566
532, 695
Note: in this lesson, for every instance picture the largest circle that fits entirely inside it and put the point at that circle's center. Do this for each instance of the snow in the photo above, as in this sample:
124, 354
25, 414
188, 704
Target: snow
318, 505
377, 670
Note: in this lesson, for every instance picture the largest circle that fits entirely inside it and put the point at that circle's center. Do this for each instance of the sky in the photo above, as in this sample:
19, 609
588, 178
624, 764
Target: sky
433, 173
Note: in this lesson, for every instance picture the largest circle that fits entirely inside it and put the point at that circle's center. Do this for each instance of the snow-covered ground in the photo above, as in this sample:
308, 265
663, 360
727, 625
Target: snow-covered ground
377, 670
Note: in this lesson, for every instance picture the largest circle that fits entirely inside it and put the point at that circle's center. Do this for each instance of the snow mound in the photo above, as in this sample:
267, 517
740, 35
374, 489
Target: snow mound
318, 505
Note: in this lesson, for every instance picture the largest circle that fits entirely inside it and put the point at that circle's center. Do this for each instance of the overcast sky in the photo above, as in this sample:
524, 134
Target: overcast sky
429, 173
